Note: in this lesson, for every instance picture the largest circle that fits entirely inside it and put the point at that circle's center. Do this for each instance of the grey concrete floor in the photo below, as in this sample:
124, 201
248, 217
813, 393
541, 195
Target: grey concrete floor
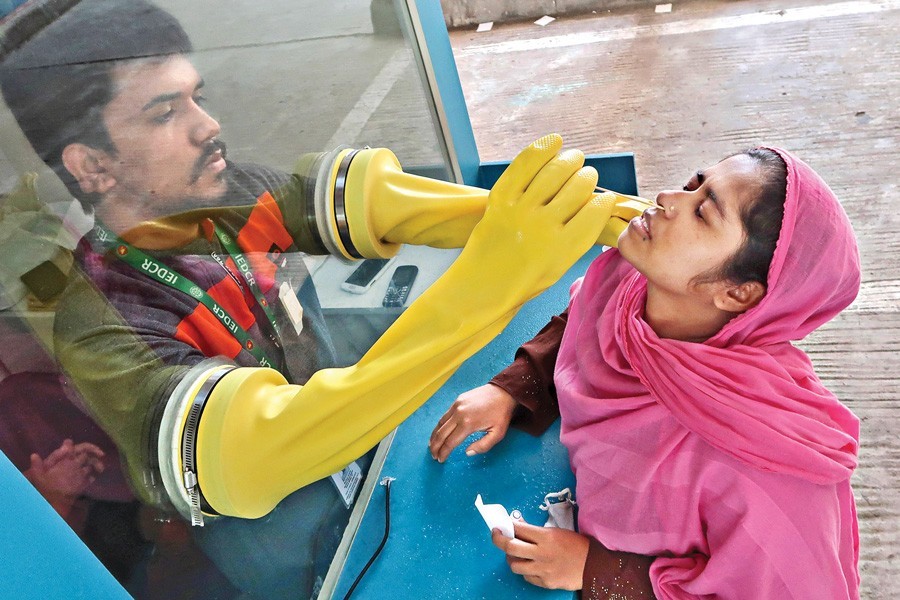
684, 89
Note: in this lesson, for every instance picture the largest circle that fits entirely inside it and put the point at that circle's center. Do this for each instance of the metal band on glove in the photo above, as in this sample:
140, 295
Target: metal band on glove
199, 505
195, 387
340, 212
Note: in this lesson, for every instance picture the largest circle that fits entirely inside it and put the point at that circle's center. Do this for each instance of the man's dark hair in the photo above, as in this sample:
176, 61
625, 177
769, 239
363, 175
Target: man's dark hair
58, 82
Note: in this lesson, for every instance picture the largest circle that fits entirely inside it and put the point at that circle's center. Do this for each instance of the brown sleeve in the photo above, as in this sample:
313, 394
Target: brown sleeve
609, 574
529, 379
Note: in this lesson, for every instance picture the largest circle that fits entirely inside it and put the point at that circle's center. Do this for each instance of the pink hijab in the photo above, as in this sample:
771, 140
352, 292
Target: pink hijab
728, 459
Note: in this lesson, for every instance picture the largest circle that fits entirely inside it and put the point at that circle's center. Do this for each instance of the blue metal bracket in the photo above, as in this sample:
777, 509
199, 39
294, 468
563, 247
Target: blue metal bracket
616, 172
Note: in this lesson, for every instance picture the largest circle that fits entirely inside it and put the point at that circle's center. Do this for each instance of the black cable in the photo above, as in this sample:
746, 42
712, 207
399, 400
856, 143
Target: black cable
387, 530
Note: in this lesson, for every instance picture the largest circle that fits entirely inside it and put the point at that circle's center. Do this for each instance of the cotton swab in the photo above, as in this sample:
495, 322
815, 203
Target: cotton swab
650, 203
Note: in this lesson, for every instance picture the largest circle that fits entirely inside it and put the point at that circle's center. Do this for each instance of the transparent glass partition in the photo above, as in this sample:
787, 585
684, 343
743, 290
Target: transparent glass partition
216, 113
286, 77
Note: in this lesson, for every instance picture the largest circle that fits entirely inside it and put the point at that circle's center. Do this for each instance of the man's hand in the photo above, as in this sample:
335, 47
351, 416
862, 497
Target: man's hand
487, 408
547, 557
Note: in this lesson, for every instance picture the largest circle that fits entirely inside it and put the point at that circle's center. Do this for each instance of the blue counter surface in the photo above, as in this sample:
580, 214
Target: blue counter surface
439, 547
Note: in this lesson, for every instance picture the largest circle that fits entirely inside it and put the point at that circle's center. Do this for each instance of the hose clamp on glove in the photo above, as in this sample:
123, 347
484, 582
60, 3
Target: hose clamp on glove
176, 443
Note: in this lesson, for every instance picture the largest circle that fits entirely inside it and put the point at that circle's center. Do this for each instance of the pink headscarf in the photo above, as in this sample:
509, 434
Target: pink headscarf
669, 440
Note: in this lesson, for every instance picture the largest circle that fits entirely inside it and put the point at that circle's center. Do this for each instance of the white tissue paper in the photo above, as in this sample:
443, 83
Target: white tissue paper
496, 517
559, 506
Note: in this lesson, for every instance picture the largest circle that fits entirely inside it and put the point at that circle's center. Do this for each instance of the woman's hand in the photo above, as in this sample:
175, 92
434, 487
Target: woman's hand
67, 471
548, 557
487, 408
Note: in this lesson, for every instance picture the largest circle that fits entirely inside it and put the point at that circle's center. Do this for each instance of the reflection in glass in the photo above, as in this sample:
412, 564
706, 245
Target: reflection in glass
200, 112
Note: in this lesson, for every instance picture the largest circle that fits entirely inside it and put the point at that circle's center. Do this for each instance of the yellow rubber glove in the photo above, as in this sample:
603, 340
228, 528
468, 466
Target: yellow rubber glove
626, 208
260, 438
387, 207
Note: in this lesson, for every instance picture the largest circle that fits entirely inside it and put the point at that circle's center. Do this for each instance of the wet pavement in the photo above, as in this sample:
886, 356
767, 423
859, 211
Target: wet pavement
684, 89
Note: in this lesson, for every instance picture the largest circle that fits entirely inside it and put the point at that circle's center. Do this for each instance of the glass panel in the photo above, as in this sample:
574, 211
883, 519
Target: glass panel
135, 118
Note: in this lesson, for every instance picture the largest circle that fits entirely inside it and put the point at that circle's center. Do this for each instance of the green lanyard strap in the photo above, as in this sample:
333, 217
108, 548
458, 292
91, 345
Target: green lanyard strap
154, 269
243, 266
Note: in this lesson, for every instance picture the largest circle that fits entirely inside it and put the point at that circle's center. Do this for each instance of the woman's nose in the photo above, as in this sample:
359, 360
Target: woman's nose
667, 201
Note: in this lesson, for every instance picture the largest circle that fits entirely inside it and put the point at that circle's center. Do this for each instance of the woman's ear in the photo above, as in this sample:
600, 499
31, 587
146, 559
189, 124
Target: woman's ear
739, 298
87, 166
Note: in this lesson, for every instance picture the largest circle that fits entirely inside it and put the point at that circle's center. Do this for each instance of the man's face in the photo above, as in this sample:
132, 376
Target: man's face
167, 155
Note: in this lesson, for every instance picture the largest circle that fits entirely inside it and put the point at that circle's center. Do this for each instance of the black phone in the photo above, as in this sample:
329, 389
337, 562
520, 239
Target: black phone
362, 278
400, 285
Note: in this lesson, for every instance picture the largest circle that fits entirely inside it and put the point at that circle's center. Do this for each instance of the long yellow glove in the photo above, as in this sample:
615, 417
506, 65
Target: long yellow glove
387, 207
260, 439
626, 208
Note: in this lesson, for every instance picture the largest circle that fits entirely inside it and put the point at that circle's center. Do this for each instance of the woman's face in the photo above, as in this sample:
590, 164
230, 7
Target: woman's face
699, 230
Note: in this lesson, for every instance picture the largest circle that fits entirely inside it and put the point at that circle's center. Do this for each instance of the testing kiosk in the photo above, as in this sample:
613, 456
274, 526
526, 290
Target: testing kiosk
389, 80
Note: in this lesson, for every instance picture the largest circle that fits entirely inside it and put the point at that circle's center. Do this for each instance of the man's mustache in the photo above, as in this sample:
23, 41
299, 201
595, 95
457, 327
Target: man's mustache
211, 148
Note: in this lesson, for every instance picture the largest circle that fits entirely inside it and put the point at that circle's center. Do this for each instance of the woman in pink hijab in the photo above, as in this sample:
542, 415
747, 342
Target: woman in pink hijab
710, 460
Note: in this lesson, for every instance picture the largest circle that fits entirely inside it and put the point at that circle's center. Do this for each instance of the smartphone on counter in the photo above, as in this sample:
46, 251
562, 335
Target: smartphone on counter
367, 273
400, 285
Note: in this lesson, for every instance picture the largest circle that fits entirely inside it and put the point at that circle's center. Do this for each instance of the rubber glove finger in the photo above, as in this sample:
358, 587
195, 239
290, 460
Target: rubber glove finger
552, 178
610, 234
523, 169
577, 192
592, 218
627, 208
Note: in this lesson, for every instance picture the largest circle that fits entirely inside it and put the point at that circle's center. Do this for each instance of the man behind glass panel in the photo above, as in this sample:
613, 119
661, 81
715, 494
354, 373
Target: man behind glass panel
165, 312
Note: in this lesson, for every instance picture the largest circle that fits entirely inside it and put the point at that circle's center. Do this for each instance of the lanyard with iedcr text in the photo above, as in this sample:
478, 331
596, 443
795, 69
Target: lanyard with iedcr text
169, 277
